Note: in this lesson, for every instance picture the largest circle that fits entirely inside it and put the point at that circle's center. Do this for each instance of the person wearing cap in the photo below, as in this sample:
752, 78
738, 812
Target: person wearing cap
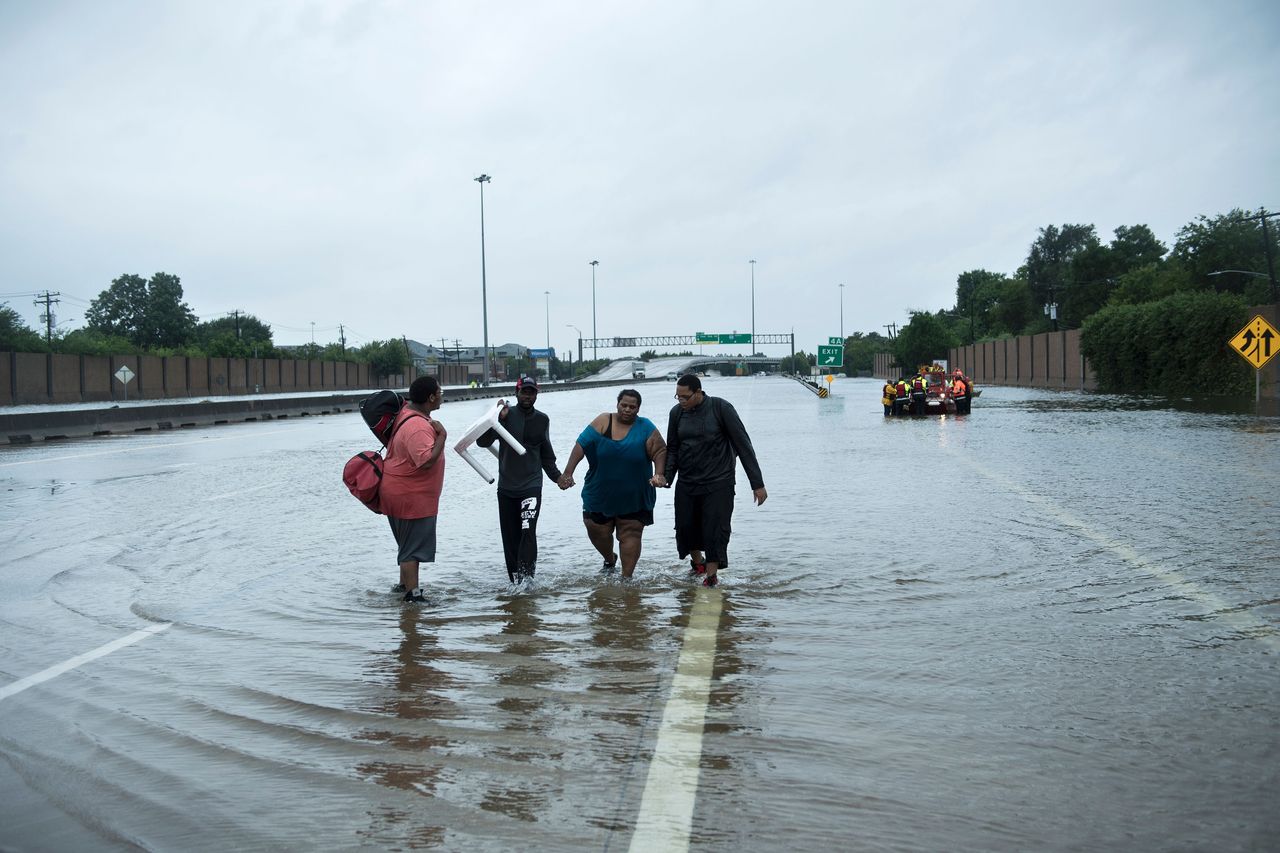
627, 456
520, 478
704, 436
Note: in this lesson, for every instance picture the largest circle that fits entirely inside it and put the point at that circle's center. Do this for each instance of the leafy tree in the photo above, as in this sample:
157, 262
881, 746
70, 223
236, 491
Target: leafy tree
16, 335
385, 358
922, 340
236, 336
147, 314
89, 341
860, 350
802, 363
977, 294
1150, 283
1012, 312
1227, 242
1049, 263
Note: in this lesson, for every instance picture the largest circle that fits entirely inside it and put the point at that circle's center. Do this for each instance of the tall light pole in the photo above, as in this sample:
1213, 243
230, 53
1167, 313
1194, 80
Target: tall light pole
594, 354
579, 331
753, 307
484, 285
548, 295
842, 315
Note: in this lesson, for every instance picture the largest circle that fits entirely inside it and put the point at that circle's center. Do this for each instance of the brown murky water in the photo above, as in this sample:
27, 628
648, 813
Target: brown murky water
1053, 625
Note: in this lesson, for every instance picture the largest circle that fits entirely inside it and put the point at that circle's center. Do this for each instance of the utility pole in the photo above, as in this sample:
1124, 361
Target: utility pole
48, 301
1266, 238
342, 338
237, 314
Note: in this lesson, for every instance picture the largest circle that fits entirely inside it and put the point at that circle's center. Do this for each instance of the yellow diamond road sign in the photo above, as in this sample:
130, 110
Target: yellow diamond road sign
1257, 342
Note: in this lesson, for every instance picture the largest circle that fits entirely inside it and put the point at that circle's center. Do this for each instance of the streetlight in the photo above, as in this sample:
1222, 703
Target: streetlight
753, 306
570, 325
1255, 275
579, 331
594, 354
842, 315
484, 285
547, 293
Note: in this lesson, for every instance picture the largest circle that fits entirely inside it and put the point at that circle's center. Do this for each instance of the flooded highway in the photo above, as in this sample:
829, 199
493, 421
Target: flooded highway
1051, 625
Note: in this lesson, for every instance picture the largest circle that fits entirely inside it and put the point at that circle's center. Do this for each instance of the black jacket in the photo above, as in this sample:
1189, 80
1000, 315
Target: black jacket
520, 475
701, 445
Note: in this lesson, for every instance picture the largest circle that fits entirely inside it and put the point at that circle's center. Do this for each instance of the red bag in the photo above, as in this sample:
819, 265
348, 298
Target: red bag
363, 472
363, 476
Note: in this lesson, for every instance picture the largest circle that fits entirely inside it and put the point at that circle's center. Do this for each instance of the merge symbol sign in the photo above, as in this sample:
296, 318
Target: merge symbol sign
1257, 342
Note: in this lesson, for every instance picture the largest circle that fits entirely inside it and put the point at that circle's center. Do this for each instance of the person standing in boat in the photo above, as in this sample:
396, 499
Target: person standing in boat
627, 456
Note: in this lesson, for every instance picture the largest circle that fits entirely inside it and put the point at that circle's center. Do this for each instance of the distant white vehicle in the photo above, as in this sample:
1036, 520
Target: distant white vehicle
637, 370
672, 376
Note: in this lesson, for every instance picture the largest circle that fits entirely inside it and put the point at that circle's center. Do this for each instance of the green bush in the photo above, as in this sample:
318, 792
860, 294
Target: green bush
1176, 346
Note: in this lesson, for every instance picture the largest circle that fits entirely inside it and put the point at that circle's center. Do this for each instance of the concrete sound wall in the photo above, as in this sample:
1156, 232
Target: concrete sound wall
32, 378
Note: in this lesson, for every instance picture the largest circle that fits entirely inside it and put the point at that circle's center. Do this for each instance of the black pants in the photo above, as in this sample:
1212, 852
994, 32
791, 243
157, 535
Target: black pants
518, 521
702, 523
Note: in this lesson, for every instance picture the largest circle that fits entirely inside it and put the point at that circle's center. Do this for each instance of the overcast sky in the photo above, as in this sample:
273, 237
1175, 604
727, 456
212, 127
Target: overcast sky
312, 162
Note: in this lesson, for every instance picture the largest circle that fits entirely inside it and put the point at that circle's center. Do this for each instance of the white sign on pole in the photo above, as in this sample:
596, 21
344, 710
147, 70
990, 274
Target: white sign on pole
124, 374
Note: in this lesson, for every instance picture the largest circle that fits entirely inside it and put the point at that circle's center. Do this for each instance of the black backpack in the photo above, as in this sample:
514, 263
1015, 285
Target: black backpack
379, 411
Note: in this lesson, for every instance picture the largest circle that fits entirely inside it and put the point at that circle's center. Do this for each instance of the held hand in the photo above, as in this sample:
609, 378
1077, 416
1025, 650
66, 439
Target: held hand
658, 481
760, 495
502, 416
565, 481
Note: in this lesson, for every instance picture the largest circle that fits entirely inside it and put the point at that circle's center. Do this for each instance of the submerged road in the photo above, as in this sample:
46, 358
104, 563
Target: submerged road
1051, 625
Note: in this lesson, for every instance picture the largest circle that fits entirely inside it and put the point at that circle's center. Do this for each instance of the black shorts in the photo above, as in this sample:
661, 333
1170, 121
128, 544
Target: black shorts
644, 515
702, 523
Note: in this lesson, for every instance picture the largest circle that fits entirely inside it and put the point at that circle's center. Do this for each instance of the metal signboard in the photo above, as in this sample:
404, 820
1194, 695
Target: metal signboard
1257, 342
839, 342
830, 356
735, 339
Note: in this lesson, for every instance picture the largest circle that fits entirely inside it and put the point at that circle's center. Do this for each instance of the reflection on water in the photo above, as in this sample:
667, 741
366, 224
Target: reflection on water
417, 692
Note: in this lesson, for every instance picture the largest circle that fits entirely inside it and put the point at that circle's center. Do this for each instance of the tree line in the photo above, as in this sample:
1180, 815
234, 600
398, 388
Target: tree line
140, 316
1145, 311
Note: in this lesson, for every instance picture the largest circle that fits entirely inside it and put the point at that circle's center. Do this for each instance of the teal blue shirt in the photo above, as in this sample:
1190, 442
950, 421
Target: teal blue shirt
618, 481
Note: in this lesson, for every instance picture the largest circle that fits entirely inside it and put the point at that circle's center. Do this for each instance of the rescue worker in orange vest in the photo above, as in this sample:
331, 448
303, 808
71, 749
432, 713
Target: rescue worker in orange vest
900, 401
960, 393
918, 394
889, 398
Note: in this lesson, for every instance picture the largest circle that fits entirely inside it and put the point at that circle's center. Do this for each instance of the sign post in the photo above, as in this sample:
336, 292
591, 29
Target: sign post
124, 374
1257, 344
830, 356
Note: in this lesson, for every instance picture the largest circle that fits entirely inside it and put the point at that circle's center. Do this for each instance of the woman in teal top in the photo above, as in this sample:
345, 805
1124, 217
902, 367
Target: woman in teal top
626, 455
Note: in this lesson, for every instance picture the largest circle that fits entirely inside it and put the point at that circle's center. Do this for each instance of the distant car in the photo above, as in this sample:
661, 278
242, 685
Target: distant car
761, 373
672, 376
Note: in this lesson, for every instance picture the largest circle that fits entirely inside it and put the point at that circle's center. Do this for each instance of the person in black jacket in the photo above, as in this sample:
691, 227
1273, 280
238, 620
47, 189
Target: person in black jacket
704, 434
520, 478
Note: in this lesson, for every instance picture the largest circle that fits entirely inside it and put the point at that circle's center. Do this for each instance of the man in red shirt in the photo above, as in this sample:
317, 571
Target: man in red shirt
411, 481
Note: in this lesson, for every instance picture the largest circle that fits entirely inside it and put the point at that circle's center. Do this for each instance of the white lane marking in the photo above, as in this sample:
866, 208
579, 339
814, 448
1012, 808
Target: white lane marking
67, 665
131, 449
666, 808
1245, 623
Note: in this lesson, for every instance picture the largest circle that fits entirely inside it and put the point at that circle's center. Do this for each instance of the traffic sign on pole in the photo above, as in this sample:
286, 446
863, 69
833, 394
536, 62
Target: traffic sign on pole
830, 356
839, 342
1257, 342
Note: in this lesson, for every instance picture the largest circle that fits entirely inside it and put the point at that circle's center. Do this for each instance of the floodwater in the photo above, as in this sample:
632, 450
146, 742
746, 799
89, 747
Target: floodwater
1051, 625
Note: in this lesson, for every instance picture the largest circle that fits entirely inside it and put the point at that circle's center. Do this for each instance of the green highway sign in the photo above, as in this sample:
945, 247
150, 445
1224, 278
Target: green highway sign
839, 342
736, 339
706, 338
830, 356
